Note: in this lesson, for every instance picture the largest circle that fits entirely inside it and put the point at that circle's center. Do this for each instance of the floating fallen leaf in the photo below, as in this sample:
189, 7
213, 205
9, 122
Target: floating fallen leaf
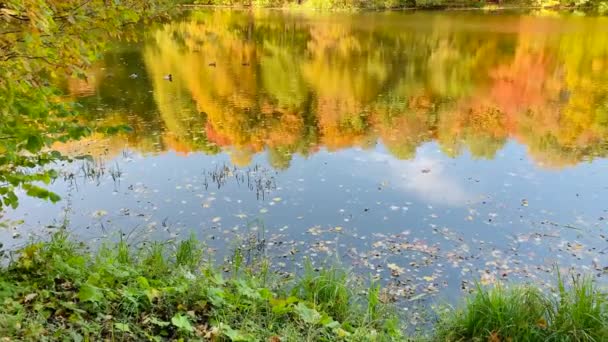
487, 279
395, 270
418, 297
386, 297
99, 213
315, 230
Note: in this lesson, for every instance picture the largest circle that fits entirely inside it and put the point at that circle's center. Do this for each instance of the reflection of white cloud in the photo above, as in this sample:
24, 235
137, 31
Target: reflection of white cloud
434, 185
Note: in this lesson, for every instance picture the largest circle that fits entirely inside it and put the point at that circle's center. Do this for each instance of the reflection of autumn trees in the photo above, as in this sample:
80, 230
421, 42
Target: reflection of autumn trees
292, 84
552, 93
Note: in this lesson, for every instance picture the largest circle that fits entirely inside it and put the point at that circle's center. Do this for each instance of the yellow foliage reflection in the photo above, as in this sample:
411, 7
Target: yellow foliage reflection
247, 82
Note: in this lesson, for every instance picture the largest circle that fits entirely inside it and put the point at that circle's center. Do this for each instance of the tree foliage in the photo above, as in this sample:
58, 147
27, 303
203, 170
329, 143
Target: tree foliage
42, 41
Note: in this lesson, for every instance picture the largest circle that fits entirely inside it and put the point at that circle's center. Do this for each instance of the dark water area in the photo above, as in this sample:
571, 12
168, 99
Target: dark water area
429, 150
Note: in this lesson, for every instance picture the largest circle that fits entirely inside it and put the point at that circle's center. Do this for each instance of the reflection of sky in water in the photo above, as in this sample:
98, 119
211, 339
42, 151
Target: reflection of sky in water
505, 209
426, 178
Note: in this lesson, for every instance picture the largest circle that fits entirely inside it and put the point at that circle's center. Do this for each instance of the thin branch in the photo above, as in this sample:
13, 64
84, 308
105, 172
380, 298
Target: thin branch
71, 11
44, 59
15, 16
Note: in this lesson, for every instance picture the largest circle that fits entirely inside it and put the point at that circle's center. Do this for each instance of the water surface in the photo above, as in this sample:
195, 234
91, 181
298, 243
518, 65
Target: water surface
427, 149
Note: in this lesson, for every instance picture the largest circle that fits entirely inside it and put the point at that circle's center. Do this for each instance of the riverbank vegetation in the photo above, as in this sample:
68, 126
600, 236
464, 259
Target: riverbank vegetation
524, 313
408, 4
174, 291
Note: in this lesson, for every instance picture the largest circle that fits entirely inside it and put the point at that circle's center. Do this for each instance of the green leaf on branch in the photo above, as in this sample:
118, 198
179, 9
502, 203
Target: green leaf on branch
34, 143
38, 192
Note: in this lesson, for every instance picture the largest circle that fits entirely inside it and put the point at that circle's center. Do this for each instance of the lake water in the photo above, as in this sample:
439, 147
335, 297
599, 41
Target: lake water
430, 150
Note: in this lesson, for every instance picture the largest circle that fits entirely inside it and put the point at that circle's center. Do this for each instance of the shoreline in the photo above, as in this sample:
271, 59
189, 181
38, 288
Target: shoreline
171, 290
447, 8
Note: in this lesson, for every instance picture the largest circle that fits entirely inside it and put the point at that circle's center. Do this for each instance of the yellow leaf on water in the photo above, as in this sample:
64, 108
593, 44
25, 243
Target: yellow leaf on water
395, 270
577, 247
99, 213
487, 279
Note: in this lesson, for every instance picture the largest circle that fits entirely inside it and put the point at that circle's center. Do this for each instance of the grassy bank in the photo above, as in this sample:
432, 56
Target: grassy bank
591, 5
61, 289
523, 313
156, 292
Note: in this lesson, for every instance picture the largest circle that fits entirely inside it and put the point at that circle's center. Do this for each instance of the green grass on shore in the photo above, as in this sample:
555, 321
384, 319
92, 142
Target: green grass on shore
62, 290
523, 313
59, 290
